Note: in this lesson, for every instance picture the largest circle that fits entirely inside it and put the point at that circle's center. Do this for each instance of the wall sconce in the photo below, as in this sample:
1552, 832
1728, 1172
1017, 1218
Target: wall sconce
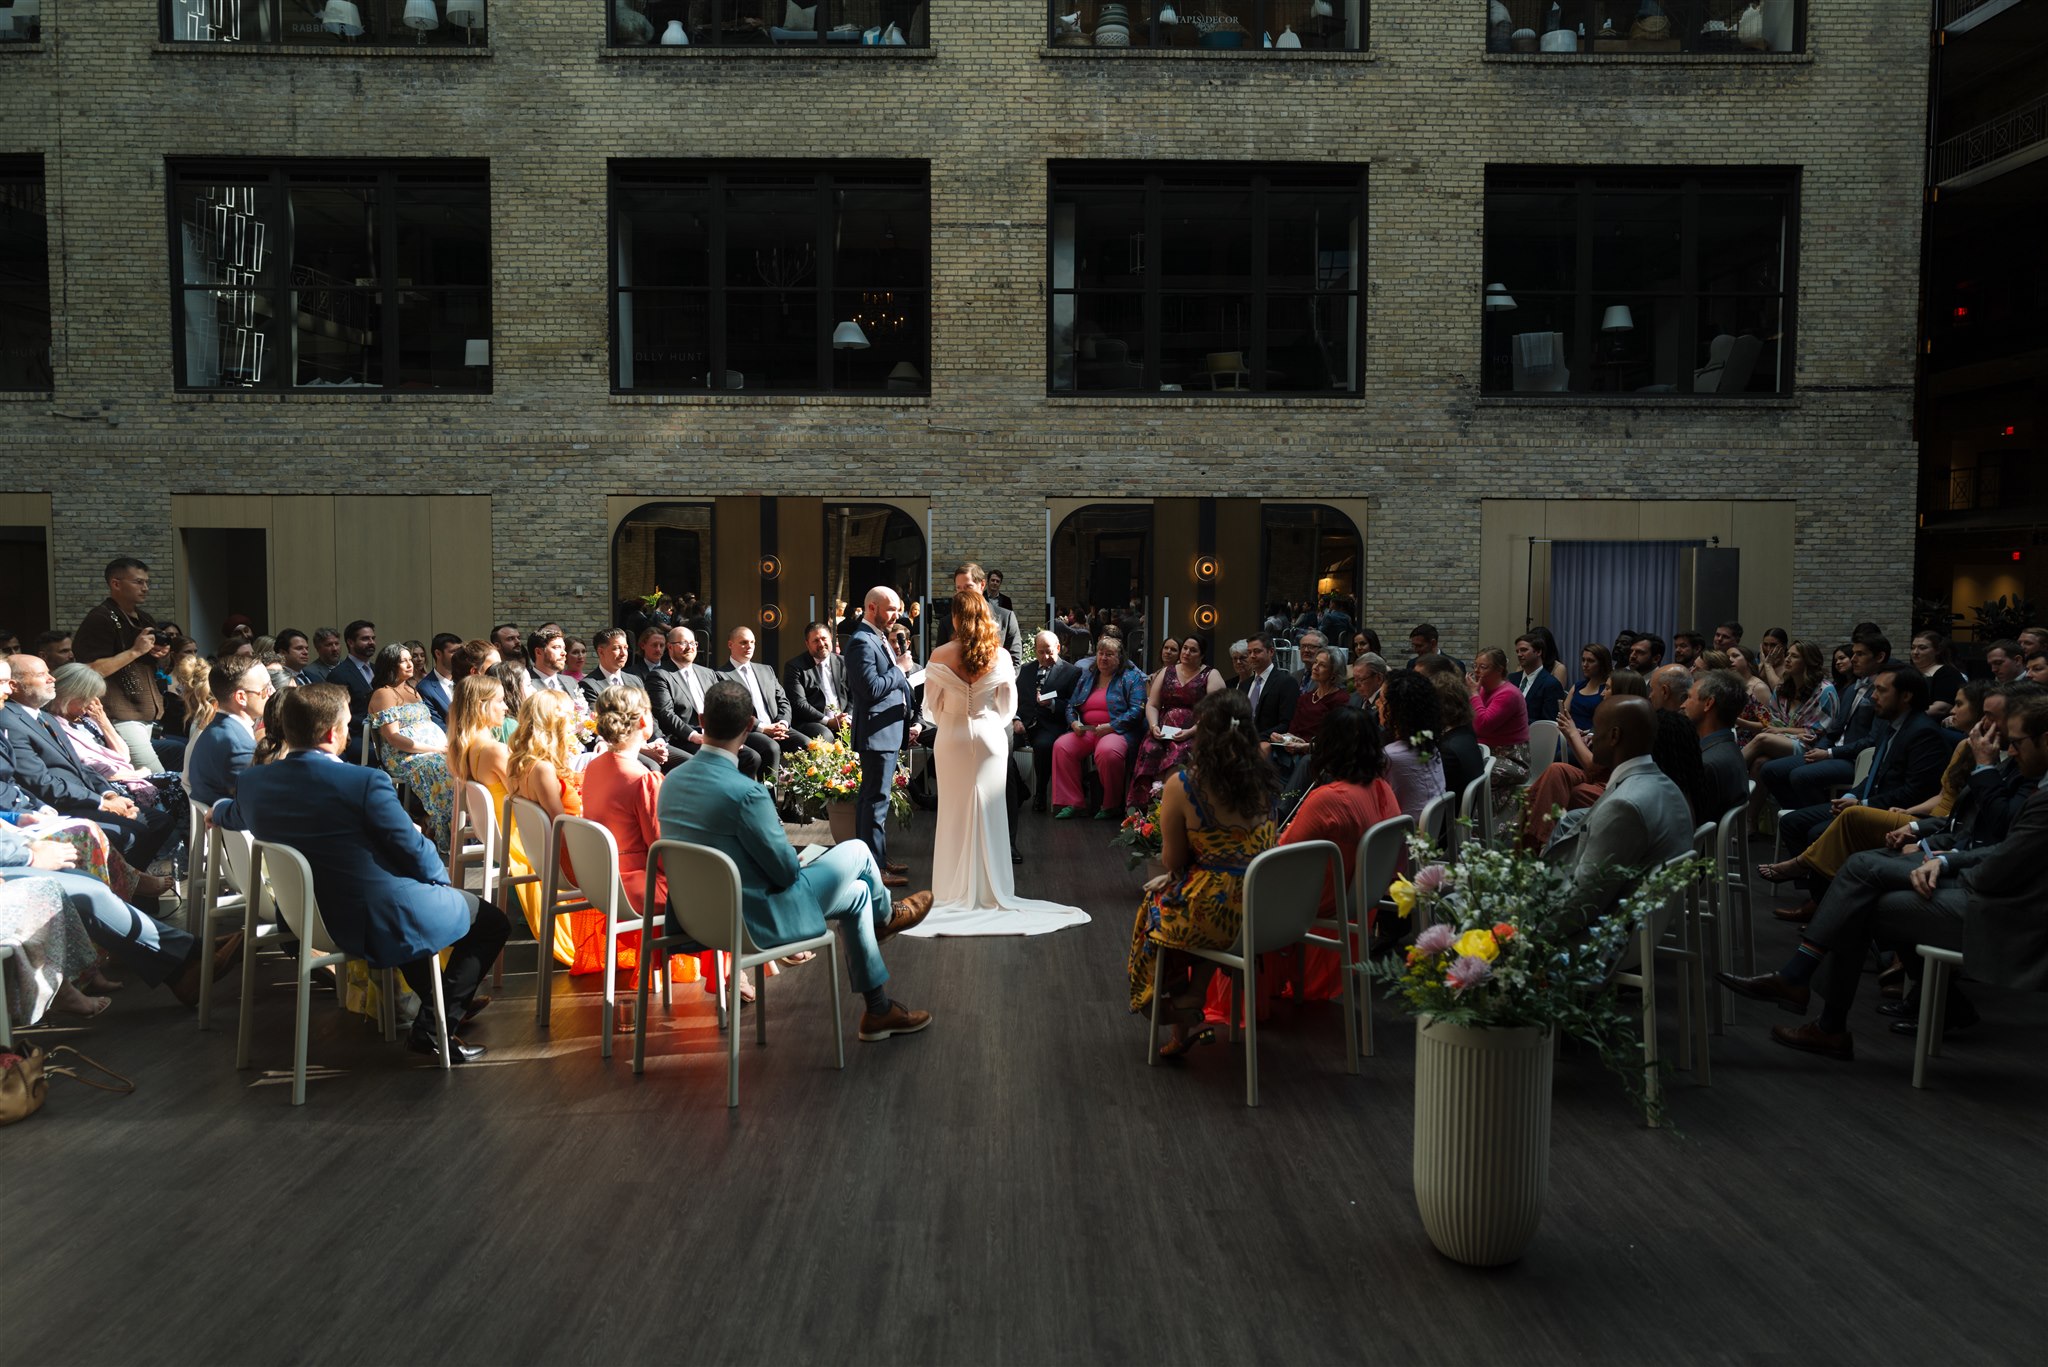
771, 615
1207, 569
771, 567
1206, 617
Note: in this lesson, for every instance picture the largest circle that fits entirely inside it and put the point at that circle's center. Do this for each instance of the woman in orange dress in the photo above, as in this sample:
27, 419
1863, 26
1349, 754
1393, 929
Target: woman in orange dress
623, 795
1348, 796
543, 771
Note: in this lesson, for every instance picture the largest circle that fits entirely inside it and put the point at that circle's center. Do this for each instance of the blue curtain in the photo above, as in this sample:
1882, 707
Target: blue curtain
1601, 588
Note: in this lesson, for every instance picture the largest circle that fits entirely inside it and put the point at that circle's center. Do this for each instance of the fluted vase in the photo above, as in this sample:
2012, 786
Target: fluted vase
1482, 1137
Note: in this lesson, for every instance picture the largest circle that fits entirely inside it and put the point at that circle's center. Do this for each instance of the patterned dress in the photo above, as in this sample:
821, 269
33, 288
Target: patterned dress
49, 942
425, 774
1159, 758
1203, 906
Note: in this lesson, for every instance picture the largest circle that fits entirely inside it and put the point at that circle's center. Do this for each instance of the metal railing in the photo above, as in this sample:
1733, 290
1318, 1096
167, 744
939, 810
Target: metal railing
2011, 132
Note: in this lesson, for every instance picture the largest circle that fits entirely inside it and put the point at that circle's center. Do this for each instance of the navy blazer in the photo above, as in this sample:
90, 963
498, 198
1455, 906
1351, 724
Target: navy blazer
1543, 694
47, 766
383, 891
1910, 763
436, 696
348, 676
882, 703
802, 680
217, 759
13, 797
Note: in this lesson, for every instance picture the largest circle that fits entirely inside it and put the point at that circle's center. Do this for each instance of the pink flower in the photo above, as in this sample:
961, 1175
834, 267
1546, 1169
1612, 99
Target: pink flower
1436, 939
1469, 971
1431, 879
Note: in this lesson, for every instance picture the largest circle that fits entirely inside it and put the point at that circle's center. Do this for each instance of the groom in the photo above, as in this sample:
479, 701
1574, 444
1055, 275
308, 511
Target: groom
882, 725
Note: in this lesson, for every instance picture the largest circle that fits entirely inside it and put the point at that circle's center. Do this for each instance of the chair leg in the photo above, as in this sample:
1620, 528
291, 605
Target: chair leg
1364, 990
1237, 1005
732, 1036
719, 970
543, 999
1933, 983
611, 983
1152, 1035
245, 1026
6, 1025
1940, 998
761, 1003
1345, 967
1251, 1044
640, 1016
838, 1007
1647, 951
303, 1042
440, 1010
1703, 1070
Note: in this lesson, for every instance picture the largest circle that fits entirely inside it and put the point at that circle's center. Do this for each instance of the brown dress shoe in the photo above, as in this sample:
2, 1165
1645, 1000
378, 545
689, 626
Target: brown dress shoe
905, 912
1798, 915
1769, 987
894, 880
1811, 1039
895, 868
897, 1020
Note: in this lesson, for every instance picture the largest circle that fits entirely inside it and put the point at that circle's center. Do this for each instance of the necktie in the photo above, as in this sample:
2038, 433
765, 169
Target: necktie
691, 690
1258, 687
825, 679
753, 687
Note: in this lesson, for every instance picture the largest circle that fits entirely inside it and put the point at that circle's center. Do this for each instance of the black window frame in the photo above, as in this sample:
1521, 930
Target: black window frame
1156, 177
1588, 183
1147, 33
388, 13
716, 35
28, 174
279, 174
714, 176
1688, 20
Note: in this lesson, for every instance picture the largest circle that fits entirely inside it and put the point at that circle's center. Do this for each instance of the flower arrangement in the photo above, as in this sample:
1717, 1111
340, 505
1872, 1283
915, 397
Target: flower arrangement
1139, 834
1501, 945
651, 601
828, 771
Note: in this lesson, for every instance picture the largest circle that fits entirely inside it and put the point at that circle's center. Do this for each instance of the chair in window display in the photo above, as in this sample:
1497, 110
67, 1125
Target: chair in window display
1539, 362
1730, 362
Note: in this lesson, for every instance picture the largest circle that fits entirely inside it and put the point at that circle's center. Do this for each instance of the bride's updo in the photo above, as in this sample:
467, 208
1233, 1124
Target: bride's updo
974, 629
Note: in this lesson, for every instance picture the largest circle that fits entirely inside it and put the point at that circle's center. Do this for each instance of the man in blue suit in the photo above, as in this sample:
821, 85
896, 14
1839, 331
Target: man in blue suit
436, 685
710, 802
882, 709
383, 891
228, 745
47, 767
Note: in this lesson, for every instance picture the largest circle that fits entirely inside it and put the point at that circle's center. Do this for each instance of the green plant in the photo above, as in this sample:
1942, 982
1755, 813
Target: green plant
1935, 614
1999, 620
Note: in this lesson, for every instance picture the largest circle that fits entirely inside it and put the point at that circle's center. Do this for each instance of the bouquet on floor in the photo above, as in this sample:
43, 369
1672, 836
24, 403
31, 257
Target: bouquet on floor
828, 771
1139, 834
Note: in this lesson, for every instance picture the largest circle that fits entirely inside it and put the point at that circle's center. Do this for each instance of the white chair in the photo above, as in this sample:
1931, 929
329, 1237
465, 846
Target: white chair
1864, 759
6, 1021
1939, 964
1637, 968
1438, 822
1379, 854
528, 822
475, 841
592, 851
1732, 867
1475, 806
558, 896
223, 858
290, 880
1543, 739
1283, 890
196, 822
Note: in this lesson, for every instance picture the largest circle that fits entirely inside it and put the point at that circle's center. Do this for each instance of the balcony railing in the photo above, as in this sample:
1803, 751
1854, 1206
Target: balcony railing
1619, 28
2010, 133
2003, 484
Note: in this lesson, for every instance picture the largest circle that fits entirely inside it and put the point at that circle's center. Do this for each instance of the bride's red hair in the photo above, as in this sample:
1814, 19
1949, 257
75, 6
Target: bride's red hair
974, 628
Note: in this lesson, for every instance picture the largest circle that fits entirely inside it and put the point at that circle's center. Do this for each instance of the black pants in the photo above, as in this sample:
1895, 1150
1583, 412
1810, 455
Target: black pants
1013, 793
1870, 900
138, 839
1042, 741
767, 754
469, 958
811, 730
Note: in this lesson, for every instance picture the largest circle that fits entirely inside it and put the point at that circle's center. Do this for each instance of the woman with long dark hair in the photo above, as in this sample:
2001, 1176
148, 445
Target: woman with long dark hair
411, 747
1348, 795
1215, 817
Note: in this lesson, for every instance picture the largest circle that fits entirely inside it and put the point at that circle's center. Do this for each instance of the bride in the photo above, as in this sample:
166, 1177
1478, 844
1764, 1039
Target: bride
970, 693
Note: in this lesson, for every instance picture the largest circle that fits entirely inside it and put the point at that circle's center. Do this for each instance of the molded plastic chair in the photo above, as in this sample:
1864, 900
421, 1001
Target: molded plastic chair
1379, 854
558, 897
530, 823
1543, 737
1732, 867
1637, 968
1940, 963
1283, 890
593, 852
196, 822
224, 860
476, 841
1475, 806
1437, 823
710, 919
290, 881
6, 1022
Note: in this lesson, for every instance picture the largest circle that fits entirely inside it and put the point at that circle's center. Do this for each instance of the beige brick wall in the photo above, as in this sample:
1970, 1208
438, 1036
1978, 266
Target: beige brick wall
106, 103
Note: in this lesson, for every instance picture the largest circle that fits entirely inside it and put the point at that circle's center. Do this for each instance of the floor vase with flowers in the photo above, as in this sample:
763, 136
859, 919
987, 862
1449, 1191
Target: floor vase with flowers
1482, 1137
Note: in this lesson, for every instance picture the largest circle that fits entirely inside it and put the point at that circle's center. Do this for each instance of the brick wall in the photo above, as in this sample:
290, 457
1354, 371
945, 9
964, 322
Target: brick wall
105, 103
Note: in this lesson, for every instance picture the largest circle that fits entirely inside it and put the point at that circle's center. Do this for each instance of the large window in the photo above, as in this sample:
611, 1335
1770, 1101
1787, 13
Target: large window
784, 278
22, 23
328, 23
332, 275
1206, 279
24, 276
768, 23
1614, 28
1247, 25
1605, 281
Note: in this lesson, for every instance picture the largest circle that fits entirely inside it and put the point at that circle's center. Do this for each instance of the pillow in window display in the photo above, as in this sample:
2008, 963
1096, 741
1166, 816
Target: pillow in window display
1500, 26
917, 30
799, 20
1522, 40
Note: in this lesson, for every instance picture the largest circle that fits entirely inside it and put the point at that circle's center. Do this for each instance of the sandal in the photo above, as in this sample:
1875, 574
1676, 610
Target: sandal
802, 957
72, 1002
1179, 1048
1771, 873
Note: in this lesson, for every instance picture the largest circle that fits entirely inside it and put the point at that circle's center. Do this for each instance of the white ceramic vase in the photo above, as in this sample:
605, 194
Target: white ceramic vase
1482, 1138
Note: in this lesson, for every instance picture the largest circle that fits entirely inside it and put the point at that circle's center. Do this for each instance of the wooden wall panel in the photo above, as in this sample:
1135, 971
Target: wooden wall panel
800, 544
304, 589
1505, 526
24, 510
459, 568
1175, 532
1763, 533
381, 564
30, 510
1240, 530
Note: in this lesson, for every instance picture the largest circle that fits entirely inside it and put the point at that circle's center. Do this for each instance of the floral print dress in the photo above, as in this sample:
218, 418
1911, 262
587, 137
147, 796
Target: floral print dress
426, 774
1203, 907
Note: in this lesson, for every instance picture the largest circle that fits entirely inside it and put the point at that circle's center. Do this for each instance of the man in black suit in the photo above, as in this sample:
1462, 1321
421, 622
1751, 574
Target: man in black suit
764, 690
1712, 705
816, 684
971, 575
354, 673
48, 769
995, 594
651, 652
675, 694
1044, 688
1272, 692
608, 657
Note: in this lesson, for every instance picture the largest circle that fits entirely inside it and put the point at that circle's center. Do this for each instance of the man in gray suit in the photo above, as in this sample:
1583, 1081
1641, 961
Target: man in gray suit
764, 690
1641, 820
1990, 901
1712, 706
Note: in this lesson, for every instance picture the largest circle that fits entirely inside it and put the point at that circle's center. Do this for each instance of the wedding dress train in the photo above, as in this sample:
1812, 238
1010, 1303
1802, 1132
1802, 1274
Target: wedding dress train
973, 886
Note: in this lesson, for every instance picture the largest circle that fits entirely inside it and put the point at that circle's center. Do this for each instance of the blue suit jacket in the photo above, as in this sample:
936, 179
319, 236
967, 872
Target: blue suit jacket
435, 695
346, 675
1543, 695
13, 797
882, 703
709, 802
217, 760
384, 892
47, 766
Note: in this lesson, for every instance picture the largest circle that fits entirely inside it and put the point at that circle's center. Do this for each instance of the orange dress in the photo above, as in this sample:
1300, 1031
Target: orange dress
579, 935
623, 796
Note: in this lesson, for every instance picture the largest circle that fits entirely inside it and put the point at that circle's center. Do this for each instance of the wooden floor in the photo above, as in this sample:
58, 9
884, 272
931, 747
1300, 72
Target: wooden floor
1012, 1186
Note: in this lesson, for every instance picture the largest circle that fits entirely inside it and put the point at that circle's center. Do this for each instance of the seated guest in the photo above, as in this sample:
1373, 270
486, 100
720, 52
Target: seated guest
46, 766
1326, 692
54, 647
815, 682
623, 795
1348, 795
1170, 699
650, 649
1646, 654
76, 704
514, 681
1456, 743
1984, 901
1686, 647
2037, 667
1668, 686
471, 657
1712, 706
709, 802
1271, 690
1423, 641
383, 891
609, 650
1829, 759
1415, 769
1640, 820
436, 685
1727, 634
1541, 689
1308, 646
764, 690
1365, 641
1574, 782
1501, 722
1802, 707
676, 693
51, 948
547, 659
475, 752
1368, 681
1044, 688
2004, 662
1911, 755
411, 747
1770, 661
357, 673
1105, 718
1240, 665
1743, 667
542, 769
510, 643
1929, 653
577, 657
219, 754
1595, 665
1215, 817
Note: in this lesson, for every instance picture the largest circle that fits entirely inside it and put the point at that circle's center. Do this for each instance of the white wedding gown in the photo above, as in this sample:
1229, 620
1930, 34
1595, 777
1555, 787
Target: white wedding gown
973, 890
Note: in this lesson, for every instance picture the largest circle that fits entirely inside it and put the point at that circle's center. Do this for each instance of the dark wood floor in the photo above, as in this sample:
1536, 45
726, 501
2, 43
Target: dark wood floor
1011, 1186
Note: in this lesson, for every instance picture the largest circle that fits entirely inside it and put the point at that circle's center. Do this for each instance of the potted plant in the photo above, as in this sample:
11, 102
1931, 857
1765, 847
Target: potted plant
1139, 834
1500, 969
823, 777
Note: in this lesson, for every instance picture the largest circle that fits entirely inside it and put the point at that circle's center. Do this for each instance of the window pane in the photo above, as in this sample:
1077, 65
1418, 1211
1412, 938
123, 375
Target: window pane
771, 338
1637, 346
894, 322
1741, 242
444, 235
1739, 348
1208, 237
228, 234
1532, 240
339, 341
1109, 236
1109, 341
882, 237
335, 237
1636, 241
669, 346
25, 338
1311, 342
771, 236
229, 339
24, 234
435, 330
663, 236
1205, 341
1312, 239
1528, 348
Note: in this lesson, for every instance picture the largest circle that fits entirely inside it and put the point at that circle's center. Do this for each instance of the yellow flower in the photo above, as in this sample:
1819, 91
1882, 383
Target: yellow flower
1479, 944
1403, 893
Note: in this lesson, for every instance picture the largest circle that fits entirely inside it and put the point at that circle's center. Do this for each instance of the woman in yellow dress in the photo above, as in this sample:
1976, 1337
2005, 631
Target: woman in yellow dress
1215, 817
543, 771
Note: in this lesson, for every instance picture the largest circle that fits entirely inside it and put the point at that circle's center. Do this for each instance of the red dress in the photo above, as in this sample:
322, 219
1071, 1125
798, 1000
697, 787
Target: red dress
1310, 711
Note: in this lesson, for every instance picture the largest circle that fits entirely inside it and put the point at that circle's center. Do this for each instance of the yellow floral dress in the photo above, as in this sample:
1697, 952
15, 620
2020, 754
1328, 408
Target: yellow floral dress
1203, 907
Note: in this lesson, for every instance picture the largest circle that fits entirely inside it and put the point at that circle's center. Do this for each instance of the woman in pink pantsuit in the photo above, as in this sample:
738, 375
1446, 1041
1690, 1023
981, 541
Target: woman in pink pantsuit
1106, 719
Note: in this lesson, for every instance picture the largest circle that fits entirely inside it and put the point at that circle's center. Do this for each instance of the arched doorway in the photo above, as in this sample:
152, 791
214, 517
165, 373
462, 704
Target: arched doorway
869, 545
1101, 566
1308, 551
665, 549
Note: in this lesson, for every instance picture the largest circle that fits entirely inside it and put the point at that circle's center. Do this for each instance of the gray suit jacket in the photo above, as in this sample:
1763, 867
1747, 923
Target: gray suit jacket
1638, 823
772, 695
2005, 930
1727, 779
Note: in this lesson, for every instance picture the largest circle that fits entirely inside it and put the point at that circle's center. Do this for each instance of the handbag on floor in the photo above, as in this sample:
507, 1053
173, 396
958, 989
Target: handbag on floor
25, 1080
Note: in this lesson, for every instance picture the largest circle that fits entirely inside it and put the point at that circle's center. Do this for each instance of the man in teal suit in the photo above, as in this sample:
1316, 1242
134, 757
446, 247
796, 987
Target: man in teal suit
710, 802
